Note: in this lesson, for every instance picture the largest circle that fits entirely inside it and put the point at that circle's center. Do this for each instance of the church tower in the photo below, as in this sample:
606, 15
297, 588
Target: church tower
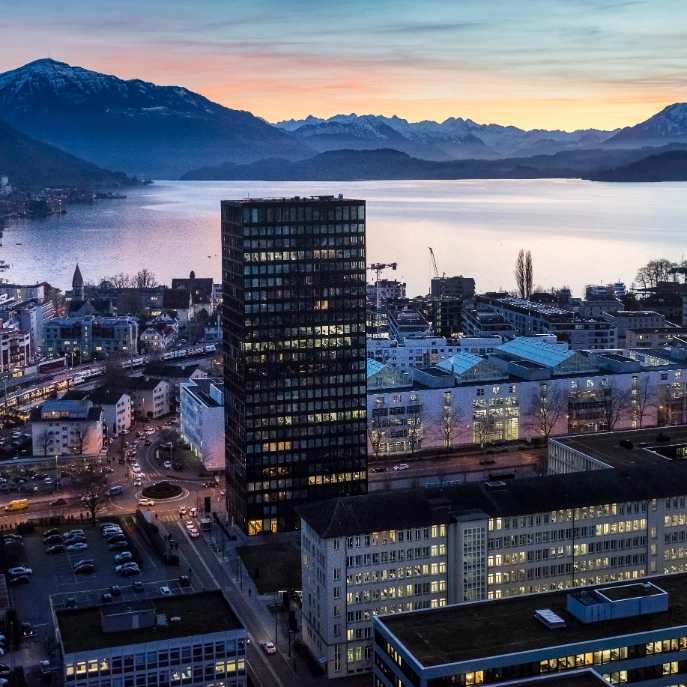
77, 285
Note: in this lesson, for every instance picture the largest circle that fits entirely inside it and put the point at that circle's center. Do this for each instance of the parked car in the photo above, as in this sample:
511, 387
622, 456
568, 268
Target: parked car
20, 570
19, 579
56, 548
118, 545
53, 539
78, 546
115, 590
26, 630
165, 591
106, 598
184, 581
137, 586
115, 538
128, 572
167, 465
50, 532
124, 557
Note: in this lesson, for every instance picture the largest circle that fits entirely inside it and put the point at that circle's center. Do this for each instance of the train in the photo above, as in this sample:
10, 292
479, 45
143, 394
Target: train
190, 351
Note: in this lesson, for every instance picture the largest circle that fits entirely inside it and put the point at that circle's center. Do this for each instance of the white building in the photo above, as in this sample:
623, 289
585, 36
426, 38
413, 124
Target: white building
400, 551
202, 419
163, 642
67, 426
150, 398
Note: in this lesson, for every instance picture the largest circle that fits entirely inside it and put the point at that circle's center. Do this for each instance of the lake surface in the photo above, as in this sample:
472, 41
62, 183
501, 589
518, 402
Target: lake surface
579, 232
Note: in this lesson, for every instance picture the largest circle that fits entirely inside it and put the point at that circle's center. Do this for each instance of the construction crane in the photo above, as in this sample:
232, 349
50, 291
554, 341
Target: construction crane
378, 268
434, 262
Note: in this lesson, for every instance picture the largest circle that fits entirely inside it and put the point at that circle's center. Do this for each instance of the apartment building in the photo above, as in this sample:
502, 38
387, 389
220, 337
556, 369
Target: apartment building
150, 397
632, 633
164, 642
394, 552
15, 350
482, 322
653, 338
66, 426
529, 318
201, 404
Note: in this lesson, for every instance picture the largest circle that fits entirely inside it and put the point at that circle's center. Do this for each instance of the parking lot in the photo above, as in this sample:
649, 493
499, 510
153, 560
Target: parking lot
54, 580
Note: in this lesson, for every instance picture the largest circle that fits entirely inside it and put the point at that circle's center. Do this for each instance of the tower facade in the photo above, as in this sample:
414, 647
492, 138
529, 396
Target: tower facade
77, 285
293, 272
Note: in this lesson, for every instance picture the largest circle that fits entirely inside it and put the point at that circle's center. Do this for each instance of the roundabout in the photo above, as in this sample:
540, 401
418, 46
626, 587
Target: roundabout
162, 491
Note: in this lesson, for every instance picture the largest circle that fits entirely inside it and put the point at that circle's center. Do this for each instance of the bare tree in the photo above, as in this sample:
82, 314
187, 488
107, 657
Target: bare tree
547, 406
529, 274
449, 426
520, 273
414, 425
615, 405
375, 435
42, 441
91, 487
643, 400
145, 279
483, 427
82, 433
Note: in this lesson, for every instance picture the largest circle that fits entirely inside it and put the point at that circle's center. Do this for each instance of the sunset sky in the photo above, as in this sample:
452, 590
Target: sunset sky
564, 64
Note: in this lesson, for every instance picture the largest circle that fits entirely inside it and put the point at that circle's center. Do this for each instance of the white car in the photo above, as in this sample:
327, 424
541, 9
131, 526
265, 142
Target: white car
269, 648
165, 591
193, 532
21, 570
401, 466
146, 502
190, 524
79, 546
167, 465
136, 468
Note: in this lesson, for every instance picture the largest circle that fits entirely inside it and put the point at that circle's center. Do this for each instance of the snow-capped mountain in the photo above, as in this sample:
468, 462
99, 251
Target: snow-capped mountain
668, 125
455, 137
139, 127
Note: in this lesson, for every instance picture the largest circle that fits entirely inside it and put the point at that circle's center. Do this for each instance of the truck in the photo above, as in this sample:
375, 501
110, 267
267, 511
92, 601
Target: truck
205, 524
18, 504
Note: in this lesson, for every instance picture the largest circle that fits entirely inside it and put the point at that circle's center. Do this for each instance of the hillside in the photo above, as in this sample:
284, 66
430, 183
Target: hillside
668, 166
668, 125
31, 164
142, 128
358, 165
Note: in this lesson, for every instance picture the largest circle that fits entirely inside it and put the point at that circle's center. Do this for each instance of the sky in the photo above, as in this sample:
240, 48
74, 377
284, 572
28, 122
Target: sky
555, 64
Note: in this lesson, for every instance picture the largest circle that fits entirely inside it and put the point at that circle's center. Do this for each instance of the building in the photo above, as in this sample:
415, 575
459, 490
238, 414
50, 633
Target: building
91, 337
150, 397
453, 287
294, 355
635, 319
653, 338
115, 404
67, 426
15, 350
528, 318
482, 322
445, 314
20, 292
162, 642
158, 337
390, 552
633, 633
388, 289
202, 419
180, 302
201, 289
407, 323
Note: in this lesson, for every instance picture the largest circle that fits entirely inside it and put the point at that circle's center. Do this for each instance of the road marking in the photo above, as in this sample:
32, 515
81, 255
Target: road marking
201, 559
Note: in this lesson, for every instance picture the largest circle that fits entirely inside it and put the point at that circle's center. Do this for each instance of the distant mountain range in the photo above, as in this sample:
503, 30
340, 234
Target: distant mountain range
667, 166
356, 165
165, 131
31, 164
144, 129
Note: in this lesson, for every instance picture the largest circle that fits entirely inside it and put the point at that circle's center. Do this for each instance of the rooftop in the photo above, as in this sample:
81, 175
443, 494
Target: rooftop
606, 448
201, 613
485, 628
406, 508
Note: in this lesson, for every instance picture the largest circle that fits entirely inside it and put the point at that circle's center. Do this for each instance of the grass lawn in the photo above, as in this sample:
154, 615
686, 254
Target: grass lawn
278, 566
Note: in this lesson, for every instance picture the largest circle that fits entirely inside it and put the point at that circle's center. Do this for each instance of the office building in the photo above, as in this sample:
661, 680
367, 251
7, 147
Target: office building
294, 355
454, 287
15, 350
393, 552
193, 639
482, 321
201, 415
626, 633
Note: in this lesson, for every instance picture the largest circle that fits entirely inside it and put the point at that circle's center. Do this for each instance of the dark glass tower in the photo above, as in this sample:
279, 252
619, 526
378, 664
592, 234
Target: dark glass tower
293, 271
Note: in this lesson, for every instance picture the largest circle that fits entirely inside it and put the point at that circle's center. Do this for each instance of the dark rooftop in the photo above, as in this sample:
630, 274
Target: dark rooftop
577, 678
486, 628
138, 383
158, 369
201, 613
406, 508
605, 447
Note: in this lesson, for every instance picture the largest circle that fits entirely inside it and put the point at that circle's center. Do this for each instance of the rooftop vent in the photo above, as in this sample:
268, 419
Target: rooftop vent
550, 619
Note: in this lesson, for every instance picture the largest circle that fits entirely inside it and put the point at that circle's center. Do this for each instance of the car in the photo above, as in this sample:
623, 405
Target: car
124, 557
59, 502
128, 572
136, 467
182, 510
107, 470
487, 461
146, 502
56, 548
401, 466
115, 538
20, 570
71, 602
53, 539
5, 670
184, 581
189, 524
85, 569
118, 545
107, 525
106, 598
115, 590
19, 579
167, 465
75, 540
165, 591
121, 461
193, 512
47, 480
211, 485
137, 483
50, 532
138, 586
269, 648
379, 468
26, 630
13, 537
193, 532
111, 530
78, 546
125, 565
147, 442
81, 532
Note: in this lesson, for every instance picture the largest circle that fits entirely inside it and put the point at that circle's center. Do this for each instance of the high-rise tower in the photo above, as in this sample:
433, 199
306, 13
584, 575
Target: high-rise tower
293, 273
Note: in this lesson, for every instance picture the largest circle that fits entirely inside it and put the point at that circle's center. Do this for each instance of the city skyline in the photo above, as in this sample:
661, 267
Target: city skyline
535, 65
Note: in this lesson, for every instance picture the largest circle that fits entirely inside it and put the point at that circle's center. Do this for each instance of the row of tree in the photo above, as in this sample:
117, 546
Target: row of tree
656, 271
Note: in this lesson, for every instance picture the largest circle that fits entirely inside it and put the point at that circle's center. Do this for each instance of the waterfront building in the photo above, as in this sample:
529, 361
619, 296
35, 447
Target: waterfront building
67, 426
391, 552
294, 355
627, 633
164, 642
201, 403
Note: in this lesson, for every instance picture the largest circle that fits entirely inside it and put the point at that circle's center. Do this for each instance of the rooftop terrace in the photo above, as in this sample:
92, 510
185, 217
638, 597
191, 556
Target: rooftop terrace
202, 613
486, 628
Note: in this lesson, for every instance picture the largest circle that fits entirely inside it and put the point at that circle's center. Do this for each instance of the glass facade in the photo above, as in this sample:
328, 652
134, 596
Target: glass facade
294, 276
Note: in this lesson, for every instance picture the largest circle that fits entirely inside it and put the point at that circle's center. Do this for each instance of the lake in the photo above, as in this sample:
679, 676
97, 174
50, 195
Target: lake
579, 232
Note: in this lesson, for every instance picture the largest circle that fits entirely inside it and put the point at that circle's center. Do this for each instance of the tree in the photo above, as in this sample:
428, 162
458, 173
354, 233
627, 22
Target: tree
615, 405
642, 400
654, 272
414, 425
546, 407
524, 274
375, 435
42, 441
91, 487
449, 425
145, 279
82, 434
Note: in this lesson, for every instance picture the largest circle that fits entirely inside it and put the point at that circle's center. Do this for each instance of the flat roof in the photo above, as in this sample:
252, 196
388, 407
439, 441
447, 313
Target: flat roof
485, 628
577, 678
201, 613
605, 447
